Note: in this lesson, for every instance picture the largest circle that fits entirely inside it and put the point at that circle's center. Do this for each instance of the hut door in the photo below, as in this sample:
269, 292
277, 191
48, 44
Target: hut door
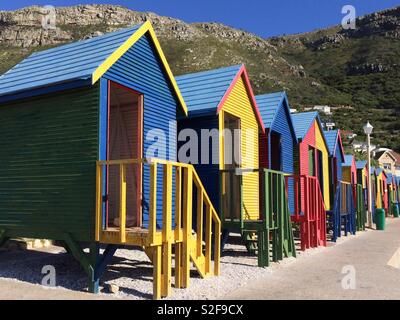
232, 161
320, 170
124, 142
276, 151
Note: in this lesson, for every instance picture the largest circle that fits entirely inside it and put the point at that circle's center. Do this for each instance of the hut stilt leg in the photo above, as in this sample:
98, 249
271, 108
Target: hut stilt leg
88, 262
93, 278
157, 272
102, 262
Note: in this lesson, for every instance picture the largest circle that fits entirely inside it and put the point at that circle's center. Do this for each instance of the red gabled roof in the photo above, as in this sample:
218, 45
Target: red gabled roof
243, 74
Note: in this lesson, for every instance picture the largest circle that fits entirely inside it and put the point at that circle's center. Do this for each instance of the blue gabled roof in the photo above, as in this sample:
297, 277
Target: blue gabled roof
348, 160
269, 105
74, 61
203, 91
331, 138
361, 164
302, 123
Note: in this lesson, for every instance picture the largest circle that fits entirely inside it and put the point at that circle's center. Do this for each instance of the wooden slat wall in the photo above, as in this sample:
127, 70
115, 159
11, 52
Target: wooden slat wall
346, 175
49, 148
208, 173
239, 105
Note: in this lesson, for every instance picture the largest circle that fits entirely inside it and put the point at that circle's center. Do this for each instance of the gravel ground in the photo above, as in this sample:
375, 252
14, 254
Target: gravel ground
131, 271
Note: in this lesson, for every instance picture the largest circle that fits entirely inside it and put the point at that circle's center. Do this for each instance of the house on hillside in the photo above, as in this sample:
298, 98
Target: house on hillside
348, 135
387, 161
324, 109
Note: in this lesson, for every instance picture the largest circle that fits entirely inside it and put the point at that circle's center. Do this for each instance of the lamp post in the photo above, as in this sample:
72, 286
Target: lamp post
368, 131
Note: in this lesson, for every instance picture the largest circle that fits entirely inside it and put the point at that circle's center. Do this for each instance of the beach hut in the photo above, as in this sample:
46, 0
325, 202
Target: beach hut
362, 173
336, 160
77, 128
389, 188
340, 206
381, 189
222, 102
312, 185
349, 170
278, 142
362, 179
374, 191
351, 212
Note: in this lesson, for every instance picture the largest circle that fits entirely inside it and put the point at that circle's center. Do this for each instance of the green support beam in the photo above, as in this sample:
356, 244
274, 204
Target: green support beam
274, 232
88, 262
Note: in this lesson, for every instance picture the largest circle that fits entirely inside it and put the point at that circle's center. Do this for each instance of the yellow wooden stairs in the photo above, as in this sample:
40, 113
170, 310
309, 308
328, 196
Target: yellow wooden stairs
175, 237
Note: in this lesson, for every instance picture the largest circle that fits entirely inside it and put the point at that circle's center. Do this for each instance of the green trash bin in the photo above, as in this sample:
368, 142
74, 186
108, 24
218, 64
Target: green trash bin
395, 210
380, 219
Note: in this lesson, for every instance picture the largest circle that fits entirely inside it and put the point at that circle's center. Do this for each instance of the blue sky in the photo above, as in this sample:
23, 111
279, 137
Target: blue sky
263, 17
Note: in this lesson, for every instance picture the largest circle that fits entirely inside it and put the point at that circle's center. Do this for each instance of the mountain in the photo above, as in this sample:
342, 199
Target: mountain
357, 71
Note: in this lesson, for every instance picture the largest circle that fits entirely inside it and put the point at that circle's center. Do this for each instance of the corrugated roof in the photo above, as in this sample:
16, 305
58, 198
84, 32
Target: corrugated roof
203, 91
302, 122
269, 105
82, 60
331, 138
348, 160
361, 164
69, 62
379, 171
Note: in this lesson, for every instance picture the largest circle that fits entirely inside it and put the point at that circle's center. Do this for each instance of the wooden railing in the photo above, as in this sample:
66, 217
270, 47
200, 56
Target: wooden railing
172, 227
205, 226
344, 213
309, 210
273, 219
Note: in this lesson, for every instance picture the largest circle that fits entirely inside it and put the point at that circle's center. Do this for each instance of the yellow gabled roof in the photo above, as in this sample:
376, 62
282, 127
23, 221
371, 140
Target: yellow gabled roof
145, 28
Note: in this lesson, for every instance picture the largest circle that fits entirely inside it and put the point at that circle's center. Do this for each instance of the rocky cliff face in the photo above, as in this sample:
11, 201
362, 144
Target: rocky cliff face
385, 23
23, 28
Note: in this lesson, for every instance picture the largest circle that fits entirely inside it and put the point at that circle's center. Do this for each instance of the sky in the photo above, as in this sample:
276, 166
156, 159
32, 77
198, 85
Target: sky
263, 17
